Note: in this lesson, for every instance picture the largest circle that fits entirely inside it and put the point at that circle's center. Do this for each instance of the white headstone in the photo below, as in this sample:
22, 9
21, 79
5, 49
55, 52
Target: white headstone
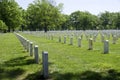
106, 46
79, 42
28, 45
31, 49
90, 44
45, 64
36, 54
59, 38
114, 39
71, 40
65, 39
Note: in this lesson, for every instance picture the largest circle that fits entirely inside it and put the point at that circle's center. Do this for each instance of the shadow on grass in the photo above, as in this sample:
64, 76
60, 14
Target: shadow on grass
10, 69
10, 73
35, 76
87, 75
20, 61
38, 75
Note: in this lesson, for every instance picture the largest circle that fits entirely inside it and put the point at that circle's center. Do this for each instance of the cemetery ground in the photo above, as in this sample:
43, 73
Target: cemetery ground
66, 62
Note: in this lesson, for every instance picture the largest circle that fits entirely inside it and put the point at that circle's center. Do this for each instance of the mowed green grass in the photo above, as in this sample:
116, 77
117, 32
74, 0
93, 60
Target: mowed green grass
69, 62
66, 62
15, 63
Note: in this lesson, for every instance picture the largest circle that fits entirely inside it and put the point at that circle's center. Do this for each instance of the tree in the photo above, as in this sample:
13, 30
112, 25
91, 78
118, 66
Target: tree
3, 26
42, 15
107, 20
83, 20
64, 22
117, 20
10, 14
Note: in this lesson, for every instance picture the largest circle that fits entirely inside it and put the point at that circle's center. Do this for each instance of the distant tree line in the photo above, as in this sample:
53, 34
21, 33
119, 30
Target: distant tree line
45, 15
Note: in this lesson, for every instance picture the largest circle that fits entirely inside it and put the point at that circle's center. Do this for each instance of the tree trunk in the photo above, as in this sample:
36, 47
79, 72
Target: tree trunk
45, 29
8, 29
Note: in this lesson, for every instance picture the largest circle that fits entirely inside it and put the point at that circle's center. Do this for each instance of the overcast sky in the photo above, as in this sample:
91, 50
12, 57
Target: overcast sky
93, 6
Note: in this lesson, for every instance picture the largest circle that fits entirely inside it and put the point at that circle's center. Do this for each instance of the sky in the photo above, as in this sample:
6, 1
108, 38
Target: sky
93, 6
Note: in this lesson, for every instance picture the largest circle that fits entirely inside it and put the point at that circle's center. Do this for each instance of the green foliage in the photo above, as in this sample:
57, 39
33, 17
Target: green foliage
42, 14
117, 21
3, 26
109, 20
46, 15
64, 22
83, 20
10, 14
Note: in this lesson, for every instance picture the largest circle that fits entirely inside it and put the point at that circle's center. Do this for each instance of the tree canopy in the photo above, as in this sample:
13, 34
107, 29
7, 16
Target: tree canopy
46, 15
43, 15
3, 26
10, 13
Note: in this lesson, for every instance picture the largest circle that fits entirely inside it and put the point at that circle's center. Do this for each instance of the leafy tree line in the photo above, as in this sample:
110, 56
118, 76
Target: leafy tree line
46, 15
10, 14
43, 15
84, 20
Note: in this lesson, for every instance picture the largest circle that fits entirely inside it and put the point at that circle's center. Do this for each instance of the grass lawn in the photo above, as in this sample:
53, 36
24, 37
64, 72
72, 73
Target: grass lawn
15, 64
66, 62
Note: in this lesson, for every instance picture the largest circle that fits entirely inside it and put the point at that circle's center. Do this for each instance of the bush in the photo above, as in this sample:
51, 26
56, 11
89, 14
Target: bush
3, 27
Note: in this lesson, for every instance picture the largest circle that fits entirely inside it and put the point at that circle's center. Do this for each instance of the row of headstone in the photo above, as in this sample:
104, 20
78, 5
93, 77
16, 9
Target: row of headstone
51, 35
114, 38
23, 41
44, 60
106, 46
105, 35
89, 33
29, 47
95, 34
79, 40
106, 43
